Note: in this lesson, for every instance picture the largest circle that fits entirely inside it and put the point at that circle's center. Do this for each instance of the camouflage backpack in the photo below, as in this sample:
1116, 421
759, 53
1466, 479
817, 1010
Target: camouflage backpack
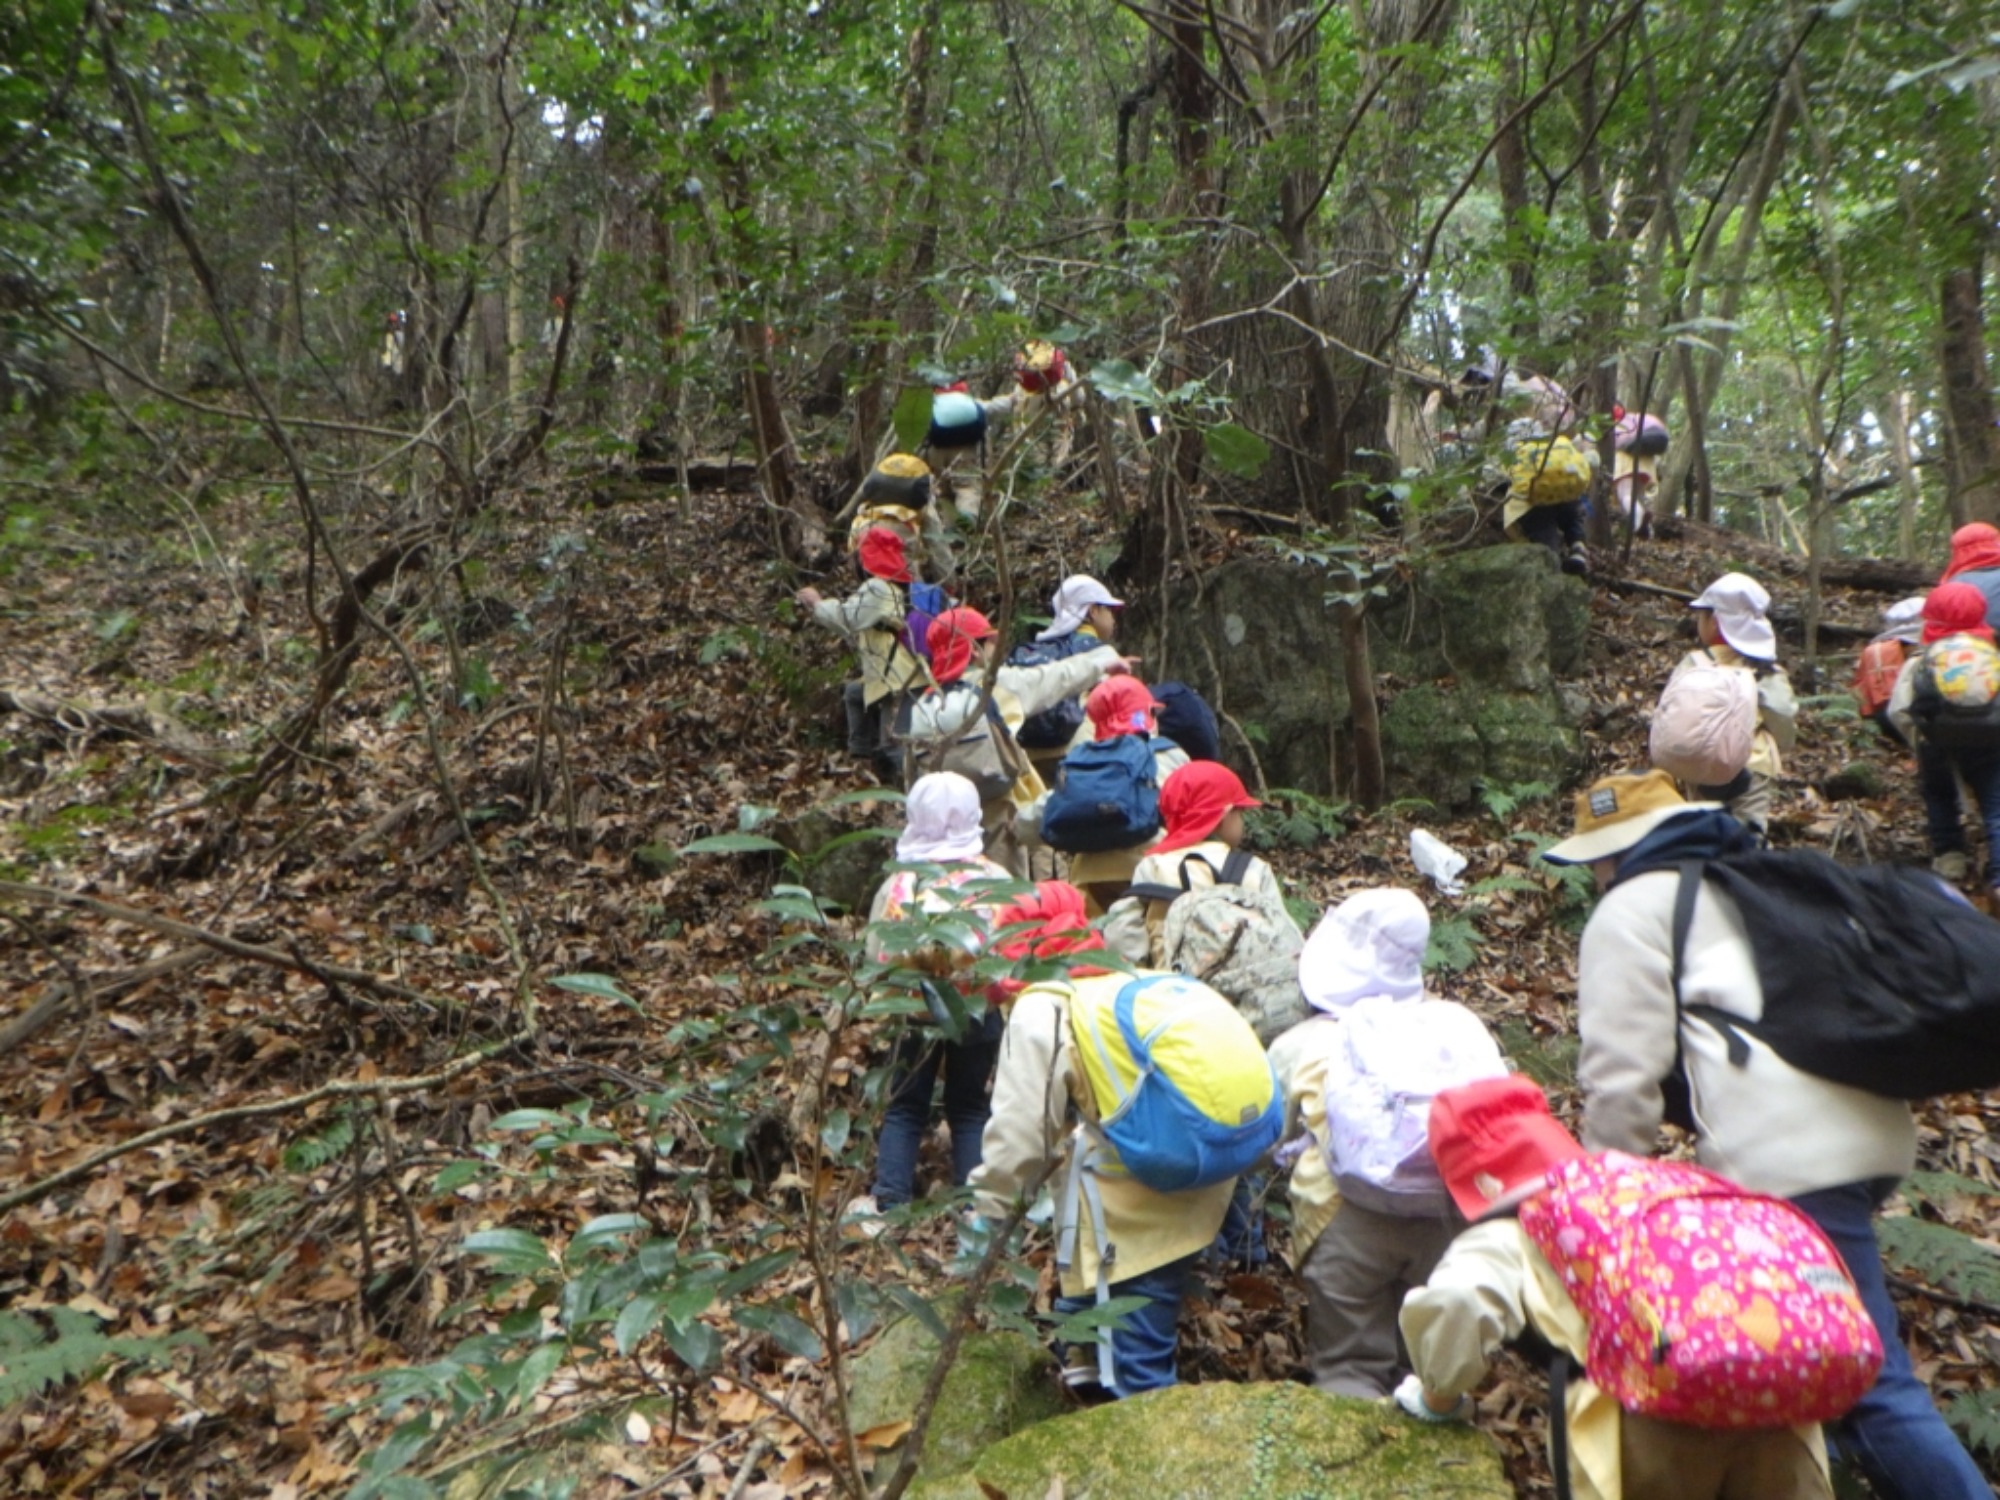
1238, 942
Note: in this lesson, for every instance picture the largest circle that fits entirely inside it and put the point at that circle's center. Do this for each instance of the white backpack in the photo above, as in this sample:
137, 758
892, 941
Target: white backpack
1390, 1059
1704, 723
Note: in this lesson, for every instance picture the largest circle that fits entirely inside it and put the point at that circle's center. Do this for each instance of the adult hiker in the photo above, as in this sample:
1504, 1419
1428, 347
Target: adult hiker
1370, 1216
941, 837
899, 493
948, 733
1141, 1187
1947, 702
1648, 1036
1975, 559
1505, 1159
1735, 629
1085, 616
1104, 810
873, 620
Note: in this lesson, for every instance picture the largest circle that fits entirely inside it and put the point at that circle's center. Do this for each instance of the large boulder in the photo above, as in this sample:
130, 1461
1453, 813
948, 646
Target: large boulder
1000, 1384
1471, 649
1227, 1441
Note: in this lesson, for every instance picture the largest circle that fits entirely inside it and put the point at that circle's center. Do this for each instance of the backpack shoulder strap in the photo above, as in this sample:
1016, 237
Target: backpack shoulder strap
1235, 867
1693, 872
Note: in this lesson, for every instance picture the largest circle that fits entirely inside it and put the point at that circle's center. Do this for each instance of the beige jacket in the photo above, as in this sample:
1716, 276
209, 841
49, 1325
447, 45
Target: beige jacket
1038, 1094
1299, 1059
1208, 859
871, 620
1765, 1125
1491, 1285
1777, 708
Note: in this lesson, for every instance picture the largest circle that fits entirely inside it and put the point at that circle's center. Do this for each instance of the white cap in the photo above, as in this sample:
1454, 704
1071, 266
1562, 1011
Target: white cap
1371, 944
1739, 603
1073, 602
941, 821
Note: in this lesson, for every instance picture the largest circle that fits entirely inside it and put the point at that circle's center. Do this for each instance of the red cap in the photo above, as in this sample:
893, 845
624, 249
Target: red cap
1195, 799
1495, 1141
882, 554
1121, 705
1955, 609
1975, 547
950, 640
1047, 924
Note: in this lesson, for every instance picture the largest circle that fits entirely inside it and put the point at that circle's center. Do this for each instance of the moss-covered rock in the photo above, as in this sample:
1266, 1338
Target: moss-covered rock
1002, 1383
1440, 743
1233, 1442
842, 851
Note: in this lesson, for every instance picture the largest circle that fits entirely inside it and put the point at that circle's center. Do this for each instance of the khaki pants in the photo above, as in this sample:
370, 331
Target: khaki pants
1666, 1461
1355, 1276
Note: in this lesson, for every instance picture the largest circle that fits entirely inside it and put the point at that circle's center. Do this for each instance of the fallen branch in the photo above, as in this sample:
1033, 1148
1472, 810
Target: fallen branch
194, 1124
128, 721
235, 947
57, 998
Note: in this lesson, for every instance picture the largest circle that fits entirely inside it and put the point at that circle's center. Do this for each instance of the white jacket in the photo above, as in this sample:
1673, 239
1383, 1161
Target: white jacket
1766, 1125
1018, 692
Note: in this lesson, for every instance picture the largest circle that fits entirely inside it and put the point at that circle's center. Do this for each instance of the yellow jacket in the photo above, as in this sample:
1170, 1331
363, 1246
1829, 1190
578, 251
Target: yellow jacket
1038, 1095
1299, 1059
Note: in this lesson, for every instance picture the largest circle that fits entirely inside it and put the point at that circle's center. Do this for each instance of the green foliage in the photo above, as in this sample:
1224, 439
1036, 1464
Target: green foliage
1975, 1415
1454, 943
37, 1356
1937, 1190
1294, 819
1943, 1257
1504, 801
1550, 1061
477, 686
333, 1140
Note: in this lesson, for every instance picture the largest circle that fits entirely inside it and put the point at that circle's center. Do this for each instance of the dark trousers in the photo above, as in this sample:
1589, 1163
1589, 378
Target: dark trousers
967, 1067
1937, 778
1556, 527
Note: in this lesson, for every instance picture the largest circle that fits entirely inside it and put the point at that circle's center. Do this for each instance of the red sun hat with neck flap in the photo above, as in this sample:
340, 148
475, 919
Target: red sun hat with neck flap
1494, 1143
951, 638
1955, 609
882, 554
1195, 800
1974, 549
1047, 924
1121, 705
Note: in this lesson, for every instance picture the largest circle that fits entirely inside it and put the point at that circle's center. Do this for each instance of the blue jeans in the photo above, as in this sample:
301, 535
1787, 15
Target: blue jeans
1240, 1241
1143, 1343
967, 1066
1895, 1435
1937, 773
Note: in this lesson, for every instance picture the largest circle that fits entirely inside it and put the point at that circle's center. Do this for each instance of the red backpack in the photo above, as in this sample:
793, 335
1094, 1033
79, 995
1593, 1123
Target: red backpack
1875, 674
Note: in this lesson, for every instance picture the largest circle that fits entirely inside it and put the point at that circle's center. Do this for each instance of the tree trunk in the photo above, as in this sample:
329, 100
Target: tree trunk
1896, 424
1972, 446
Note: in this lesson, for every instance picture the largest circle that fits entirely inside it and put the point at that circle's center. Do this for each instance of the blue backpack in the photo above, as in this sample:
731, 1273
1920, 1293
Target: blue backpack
927, 602
1109, 798
1052, 728
1187, 720
957, 421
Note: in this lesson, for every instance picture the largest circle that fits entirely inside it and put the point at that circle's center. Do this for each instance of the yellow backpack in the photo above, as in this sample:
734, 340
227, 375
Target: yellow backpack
1549, 471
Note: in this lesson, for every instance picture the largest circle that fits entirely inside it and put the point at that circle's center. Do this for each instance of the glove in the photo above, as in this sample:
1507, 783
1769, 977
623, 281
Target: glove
1410, 1396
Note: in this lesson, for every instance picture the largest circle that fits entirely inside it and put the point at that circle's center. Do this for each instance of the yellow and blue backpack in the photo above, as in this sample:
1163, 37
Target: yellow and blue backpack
1184, 1095
1548, 471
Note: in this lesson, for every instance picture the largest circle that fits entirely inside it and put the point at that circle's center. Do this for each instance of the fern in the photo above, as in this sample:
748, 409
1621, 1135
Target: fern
1976, 1415
1551, 1062
1454, 944
1942, 1257
32, 1362
1502, 801
1935, 1190
311, 1152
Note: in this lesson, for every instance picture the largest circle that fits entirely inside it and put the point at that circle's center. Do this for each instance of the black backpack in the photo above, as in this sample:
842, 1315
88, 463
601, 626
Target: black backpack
1187, 720
1054, 727
1948, 725
1882, 978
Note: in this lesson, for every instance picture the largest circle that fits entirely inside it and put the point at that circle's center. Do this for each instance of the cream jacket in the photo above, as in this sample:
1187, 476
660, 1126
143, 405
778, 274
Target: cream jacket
1777, 708
1208, 857
1299, 1058
871, 620
1018, 692
1491, 1285
1038, 1094
1765, 1125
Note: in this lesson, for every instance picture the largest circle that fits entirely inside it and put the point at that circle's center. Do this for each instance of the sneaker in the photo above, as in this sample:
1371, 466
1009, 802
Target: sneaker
1079, 1372
864, 1215
1576, 561
1952, 865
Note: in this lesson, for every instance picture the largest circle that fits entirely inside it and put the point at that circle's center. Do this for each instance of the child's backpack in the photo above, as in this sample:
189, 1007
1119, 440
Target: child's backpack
1055, 726
1641, 434
1705, 722
957, 421
1548, 471
927, 602
1185, 718
1956, 702
1390, 1059
1707, 1305
1040, 367
1875, 674
1108, 797
1179, 1085
983, 752
1882, 977
901, 480
1240, 943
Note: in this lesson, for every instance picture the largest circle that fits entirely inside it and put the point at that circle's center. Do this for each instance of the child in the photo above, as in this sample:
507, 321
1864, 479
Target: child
1150, 1240
1952, 610
1201, 808
1357, 1251
941, 828
1736, 632
1881, 663
1495, 1142
1084, 616
871, 620
1548, 474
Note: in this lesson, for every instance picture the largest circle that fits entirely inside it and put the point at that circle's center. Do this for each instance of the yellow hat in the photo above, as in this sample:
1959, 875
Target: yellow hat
903, 466
1617, 812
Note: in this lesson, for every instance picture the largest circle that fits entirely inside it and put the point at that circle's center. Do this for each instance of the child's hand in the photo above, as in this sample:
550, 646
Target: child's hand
1413, 1399
808, 598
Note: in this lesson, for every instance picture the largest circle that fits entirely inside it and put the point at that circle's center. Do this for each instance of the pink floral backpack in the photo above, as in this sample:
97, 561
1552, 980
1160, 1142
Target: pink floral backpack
1707, 1305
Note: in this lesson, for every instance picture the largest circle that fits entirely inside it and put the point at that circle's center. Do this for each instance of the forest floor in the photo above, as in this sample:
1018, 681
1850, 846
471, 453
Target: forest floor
628, 679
